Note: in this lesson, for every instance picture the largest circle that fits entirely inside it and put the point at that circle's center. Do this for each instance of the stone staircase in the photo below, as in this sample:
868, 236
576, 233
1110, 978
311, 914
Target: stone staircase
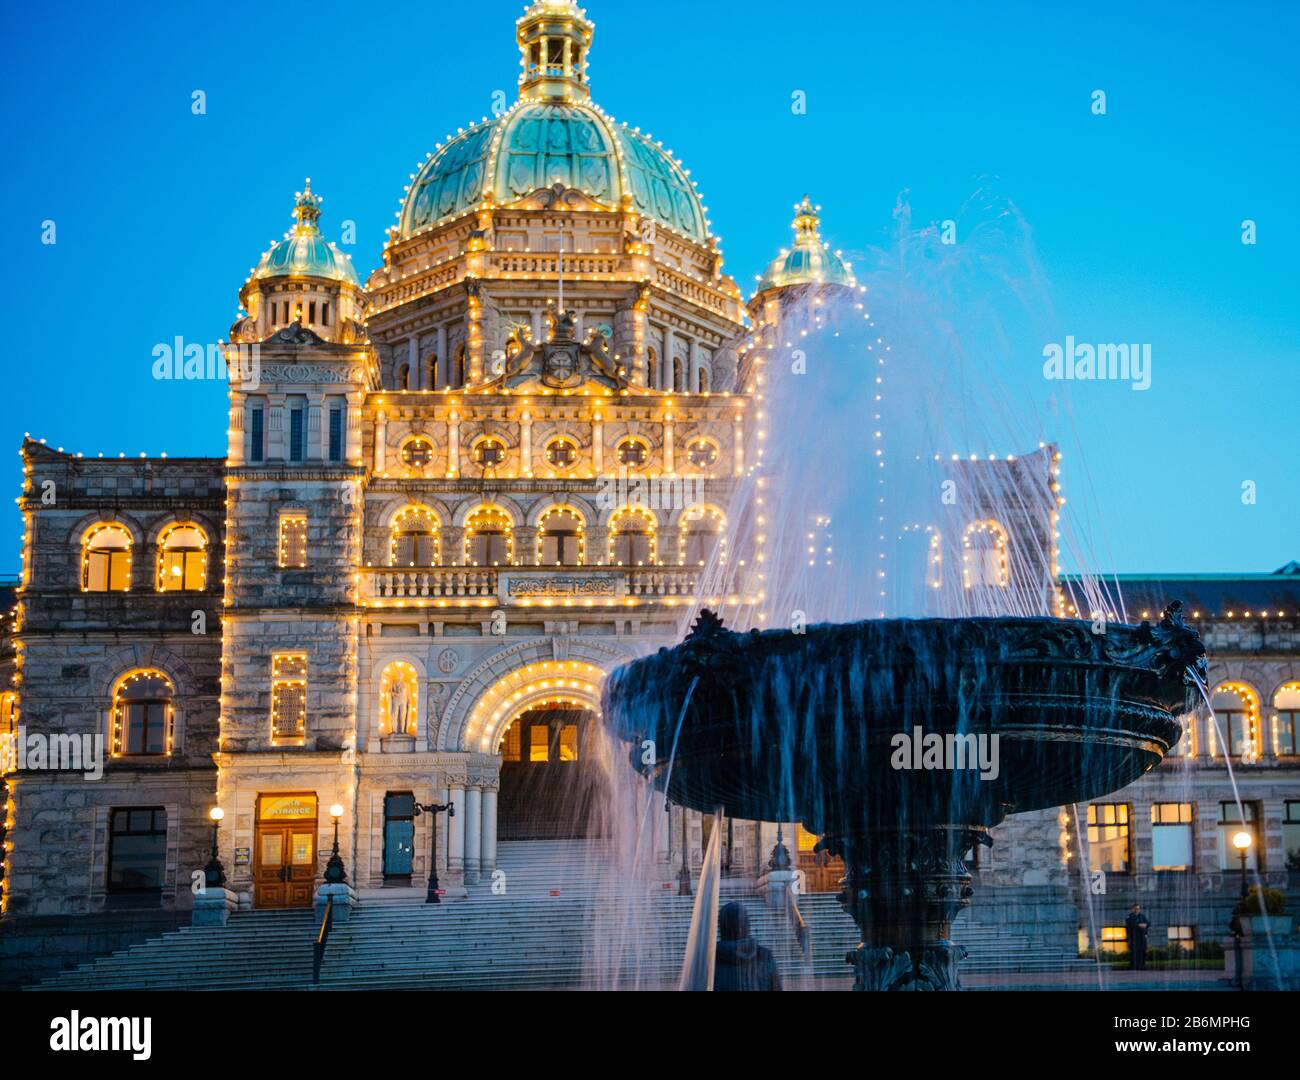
554, 906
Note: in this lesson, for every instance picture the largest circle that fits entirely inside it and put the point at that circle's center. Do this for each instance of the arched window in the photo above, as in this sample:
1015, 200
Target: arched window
562, 453
560, 538
417, 453
399, 699
1286, 721
414, 540
142, 714
705, 380
460, 370
679, 374
431, 369
984, 555
404, 377
632, 538
652, 368
106, 559
489, 538
182, 559
1236, 720
633, 453
702, 534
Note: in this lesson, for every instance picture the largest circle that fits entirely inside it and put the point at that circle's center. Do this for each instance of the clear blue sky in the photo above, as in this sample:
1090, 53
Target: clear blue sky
1136, 215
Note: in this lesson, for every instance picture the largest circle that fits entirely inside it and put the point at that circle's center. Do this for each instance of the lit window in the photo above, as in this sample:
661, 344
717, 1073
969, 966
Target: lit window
142, 714
106, 560
490, 453
1236, 718
1108, 837
293, 541
137, 849
8, 715
562, 453
288, 696
1286, 721
702, 454
568, 744
183, 559
539, 742
1171, 836
417, 453
984, 556
415, 538
632, 453
632, 539
1182, 937
1114, 939
511, 748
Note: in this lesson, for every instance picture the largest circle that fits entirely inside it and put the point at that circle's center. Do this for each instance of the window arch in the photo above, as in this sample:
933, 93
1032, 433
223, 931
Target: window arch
183, 558
399, 699
106, 559
415, 538
703, 531
404, 376
562, 453
561, 537
1286, 720
984, 560
489, 537
143, 714
632, 538
1236, 720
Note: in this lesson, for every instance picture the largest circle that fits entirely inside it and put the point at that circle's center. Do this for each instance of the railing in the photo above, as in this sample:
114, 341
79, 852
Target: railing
322, 939
395, 583
392, 583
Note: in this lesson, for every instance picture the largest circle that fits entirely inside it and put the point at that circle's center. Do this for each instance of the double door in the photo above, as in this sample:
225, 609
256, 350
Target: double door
284, 870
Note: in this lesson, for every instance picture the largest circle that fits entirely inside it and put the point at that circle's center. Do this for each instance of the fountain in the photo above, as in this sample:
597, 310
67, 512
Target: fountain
1010, 714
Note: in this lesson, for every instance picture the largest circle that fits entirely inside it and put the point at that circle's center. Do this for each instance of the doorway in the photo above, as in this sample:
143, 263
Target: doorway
284, 851
552, 784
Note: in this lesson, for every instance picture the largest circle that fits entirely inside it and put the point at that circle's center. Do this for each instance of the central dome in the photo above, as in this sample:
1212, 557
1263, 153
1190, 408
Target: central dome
553, 135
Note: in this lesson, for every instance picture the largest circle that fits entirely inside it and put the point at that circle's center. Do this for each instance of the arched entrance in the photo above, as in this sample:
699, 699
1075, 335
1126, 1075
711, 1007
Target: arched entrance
552, 784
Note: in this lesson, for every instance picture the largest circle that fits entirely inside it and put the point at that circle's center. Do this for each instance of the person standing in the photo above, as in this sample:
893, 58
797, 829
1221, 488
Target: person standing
740, 962
1136, 924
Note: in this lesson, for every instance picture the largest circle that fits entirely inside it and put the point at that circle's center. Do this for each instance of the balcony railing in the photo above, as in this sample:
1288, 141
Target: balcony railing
528, 585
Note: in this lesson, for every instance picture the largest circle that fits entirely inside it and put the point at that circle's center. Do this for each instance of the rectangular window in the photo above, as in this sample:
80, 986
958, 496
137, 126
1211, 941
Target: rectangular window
1231, 823
1171, 836
1114, 939
182, 570
336, 433
108, 570
511, 749
311, 312
1108, 837
289, 696
1286, 727
297, 433
568, 746
1291, 833
293, 541
539, 742
399, 836
137, 849
1182, 937
257, 434
325, 313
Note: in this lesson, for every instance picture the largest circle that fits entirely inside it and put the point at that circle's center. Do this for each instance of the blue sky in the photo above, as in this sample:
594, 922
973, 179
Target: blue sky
1136, 215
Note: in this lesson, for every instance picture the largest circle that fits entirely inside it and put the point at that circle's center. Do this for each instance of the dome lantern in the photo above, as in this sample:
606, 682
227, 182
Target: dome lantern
810, 262
554, 37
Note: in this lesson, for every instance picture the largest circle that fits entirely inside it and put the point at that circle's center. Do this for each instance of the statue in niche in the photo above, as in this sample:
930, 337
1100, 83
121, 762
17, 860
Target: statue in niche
399, 707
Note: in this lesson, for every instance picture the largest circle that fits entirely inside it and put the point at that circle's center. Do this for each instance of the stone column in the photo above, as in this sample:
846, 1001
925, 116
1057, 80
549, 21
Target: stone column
381, 439
456, 839
453, 445
526, 443
473, 832
670, 449
488, 857
598, 445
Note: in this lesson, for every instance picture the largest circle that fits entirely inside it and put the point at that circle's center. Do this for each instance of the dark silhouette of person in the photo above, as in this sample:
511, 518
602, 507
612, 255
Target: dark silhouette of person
1136, 924
740, 962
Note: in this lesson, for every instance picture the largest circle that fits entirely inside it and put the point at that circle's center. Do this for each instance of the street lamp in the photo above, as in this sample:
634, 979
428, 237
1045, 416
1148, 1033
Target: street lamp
1241, 840
214, 874
433, 810
335, 874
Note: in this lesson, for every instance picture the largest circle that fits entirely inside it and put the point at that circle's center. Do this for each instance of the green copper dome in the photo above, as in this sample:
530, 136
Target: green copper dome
304, 252
541, 143
810, 261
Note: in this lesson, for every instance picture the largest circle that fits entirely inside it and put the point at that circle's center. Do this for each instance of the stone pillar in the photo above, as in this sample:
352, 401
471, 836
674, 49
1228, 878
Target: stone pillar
598, 444
381, 440
456, 841
670, 449
488, 857
453, 445
473, 833
526, 443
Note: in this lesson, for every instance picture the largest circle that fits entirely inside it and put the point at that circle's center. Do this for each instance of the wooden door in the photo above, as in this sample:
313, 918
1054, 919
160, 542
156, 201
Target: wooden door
284, 870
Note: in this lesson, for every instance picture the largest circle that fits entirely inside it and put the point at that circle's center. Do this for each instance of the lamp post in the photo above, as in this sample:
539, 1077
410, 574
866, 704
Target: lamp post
684, 875
335, 874
214, 874
433, 810
1241, 841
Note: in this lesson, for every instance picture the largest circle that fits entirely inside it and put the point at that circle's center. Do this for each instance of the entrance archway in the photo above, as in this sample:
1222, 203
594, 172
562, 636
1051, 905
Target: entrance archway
552, 784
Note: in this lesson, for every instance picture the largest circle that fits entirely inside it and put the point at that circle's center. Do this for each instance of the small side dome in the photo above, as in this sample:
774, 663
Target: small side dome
810, 261
304, 252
